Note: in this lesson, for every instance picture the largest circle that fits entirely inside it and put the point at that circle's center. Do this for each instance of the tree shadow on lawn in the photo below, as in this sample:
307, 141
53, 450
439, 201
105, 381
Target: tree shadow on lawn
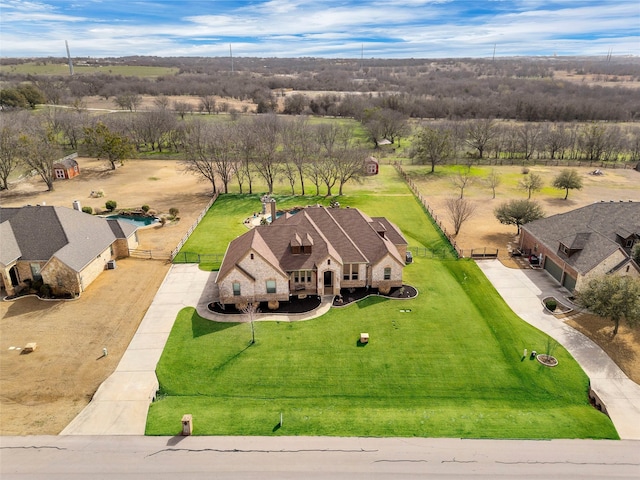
201, 326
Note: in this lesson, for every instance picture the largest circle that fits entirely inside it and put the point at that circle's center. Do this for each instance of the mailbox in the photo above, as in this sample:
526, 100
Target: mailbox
187, 425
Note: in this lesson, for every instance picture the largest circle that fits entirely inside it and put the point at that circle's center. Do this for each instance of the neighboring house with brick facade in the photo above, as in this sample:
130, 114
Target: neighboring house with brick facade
64, 248
316, 251
587, 242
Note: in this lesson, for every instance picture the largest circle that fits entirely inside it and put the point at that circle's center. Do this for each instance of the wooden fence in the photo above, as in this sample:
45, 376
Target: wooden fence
150, 254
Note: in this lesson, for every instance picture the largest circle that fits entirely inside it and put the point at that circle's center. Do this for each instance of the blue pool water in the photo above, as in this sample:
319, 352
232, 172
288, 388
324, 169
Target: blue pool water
137, 221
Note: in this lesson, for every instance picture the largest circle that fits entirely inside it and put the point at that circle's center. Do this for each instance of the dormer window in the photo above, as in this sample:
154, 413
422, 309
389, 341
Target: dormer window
564, 249
629, 243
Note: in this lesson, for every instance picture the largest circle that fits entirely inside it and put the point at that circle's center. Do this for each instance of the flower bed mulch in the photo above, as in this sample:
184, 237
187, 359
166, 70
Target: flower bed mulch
296, 305
350, 295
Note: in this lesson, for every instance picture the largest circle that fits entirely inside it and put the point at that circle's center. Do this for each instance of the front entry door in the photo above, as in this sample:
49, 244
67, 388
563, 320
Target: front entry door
328, 279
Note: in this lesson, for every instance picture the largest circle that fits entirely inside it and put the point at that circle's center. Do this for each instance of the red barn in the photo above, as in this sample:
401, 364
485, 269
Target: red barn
66, 167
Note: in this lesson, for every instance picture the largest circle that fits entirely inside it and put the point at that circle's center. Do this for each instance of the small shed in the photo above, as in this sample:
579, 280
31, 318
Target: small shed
371, 165
66, 167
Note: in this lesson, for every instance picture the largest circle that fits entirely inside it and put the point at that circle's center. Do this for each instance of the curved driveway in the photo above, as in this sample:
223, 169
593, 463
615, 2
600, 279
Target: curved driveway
523, 290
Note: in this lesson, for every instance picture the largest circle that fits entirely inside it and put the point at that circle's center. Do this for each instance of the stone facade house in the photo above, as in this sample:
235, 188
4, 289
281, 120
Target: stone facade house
587, 242
64, 248
316, 251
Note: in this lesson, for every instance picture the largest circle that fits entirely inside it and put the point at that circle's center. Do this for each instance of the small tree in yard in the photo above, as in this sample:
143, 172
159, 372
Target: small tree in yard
531, 183
568, 179
110, 205
173, 211
251, 309
459, 210
518, 212
493, 181
614, 297
635, 253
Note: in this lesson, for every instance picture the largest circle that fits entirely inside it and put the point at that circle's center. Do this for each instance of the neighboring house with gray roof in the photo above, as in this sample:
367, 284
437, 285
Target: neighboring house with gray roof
316, 251
64, 248
587, 242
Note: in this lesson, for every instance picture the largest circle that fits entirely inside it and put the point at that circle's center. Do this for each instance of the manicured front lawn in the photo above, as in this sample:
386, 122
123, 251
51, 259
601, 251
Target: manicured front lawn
452, 366
447, 368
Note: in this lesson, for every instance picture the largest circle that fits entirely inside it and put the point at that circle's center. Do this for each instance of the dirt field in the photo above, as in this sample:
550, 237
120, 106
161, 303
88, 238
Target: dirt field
42, 391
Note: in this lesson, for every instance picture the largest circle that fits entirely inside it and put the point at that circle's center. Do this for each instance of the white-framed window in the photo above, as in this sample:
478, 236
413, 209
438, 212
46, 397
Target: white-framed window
350, 271
59, 173
302, 276
387, 273
271, 286
36, 274
236, 289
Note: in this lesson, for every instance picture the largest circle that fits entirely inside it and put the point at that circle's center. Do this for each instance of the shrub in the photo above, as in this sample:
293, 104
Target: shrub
88, 210
145, 208
44, 291
551, 304
525, 170
173, 211
111, 205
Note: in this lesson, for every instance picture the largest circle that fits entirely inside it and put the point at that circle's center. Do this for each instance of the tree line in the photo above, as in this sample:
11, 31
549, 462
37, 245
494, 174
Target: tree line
517, 89
265, 147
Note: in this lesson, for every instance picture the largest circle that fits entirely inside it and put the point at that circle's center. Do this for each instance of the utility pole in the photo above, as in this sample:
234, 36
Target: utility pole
69, 58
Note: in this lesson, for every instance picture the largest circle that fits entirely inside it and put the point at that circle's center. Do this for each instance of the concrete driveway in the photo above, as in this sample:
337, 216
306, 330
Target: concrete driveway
120, 405
523, 290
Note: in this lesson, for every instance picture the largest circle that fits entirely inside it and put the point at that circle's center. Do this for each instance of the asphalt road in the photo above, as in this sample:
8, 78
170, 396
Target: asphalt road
133, 457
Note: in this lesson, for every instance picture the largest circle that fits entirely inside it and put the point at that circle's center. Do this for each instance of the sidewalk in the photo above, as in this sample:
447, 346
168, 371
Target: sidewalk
120, 405
523, 290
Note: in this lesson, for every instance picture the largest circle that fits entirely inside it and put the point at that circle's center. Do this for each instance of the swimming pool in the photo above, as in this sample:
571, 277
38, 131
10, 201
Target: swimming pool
137, 221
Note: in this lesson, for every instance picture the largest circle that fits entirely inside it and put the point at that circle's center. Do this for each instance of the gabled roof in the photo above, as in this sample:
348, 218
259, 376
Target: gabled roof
592, 231
74, 237
347, 235
66, 162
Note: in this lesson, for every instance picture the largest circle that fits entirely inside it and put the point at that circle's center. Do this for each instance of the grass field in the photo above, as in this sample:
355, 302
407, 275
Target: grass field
450, 367
62, 68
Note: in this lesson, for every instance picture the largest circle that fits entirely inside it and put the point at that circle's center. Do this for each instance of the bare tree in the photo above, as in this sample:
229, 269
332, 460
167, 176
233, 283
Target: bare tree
532, 182
207, 104
162, 102
459, 211
493, 181
433, 146
251, 310
246, 144
461, 180
9, 152
197, 159
128, 101
154, 126
349, 166
182, 108
267, 164
299, 148
480, 133
528, 136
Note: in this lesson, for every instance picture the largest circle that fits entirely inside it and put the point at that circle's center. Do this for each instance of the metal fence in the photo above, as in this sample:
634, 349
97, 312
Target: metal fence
150, 254
175, 251
192, 257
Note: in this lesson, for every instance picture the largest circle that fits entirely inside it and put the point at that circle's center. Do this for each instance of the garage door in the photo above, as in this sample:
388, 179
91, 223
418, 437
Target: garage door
569, 282
553, 268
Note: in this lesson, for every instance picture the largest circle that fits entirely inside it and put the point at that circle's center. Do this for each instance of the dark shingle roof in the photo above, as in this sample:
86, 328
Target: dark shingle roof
346, 234
592, 231
74, 237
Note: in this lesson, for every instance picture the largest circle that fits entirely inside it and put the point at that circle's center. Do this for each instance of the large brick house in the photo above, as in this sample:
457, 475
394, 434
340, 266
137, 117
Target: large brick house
64, 248
316, 251
587, 242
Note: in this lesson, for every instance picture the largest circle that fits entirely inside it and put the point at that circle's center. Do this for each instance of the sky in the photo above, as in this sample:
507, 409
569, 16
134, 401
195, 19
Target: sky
319, 28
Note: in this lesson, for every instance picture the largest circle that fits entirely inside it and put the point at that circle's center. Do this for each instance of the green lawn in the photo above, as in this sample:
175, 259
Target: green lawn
451, 367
